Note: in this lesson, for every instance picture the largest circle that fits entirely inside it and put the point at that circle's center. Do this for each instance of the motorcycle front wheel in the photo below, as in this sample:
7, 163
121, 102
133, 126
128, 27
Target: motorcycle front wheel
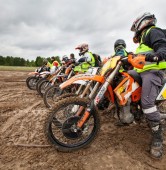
61, 125
31, 82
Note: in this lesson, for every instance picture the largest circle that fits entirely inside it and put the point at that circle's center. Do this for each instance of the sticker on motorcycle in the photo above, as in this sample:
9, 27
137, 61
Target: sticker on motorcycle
162, 94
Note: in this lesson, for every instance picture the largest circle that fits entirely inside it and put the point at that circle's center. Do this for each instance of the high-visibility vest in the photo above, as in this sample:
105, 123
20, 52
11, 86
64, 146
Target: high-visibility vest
144, 49
54, 63
86, 65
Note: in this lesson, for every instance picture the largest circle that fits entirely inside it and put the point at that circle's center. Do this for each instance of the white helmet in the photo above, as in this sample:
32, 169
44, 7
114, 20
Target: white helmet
83, 48
144, 20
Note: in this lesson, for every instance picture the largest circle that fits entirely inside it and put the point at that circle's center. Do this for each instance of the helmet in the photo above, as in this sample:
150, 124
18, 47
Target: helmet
52, 58
65, 58
144, 20
45, 61
119, 42
83, 48
72, 55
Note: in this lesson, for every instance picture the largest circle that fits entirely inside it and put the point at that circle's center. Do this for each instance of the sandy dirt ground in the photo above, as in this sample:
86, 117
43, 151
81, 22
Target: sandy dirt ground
23, 144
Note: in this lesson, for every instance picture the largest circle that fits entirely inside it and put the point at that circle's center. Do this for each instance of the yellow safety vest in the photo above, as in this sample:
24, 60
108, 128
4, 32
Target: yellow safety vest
144, 49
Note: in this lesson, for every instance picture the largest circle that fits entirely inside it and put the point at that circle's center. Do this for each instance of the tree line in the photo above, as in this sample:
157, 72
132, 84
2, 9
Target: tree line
18, 61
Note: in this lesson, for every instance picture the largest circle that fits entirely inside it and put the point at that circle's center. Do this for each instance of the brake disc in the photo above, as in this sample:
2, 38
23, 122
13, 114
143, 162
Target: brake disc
70, 129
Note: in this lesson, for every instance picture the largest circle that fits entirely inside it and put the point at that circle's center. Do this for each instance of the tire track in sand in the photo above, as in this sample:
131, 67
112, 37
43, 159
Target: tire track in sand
22, 113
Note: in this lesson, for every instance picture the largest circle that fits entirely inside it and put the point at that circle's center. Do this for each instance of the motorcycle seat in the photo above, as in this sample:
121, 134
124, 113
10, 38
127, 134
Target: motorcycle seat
135, 76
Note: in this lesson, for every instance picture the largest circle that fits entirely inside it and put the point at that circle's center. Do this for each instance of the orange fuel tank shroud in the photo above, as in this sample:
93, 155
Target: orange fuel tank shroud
125, 89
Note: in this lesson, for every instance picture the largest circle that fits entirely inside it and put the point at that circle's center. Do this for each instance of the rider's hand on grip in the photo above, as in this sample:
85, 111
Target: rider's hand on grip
153, 58
137, 61
150, 57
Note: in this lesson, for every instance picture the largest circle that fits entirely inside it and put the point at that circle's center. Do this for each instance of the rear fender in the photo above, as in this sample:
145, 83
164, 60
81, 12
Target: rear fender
83, 77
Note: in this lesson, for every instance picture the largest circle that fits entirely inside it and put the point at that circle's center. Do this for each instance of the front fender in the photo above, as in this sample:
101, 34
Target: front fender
81, 82
44, 72
83, 77
33, 73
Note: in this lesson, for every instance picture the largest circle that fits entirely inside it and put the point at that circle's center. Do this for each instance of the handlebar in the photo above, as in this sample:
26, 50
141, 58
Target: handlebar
136, 60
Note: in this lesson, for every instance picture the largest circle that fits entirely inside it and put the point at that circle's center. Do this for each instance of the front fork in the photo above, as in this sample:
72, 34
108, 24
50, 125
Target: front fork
89, 109
93, 105
86, 115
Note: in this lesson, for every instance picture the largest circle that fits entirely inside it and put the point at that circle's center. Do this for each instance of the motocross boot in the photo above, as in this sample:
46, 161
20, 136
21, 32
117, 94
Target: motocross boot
156, 148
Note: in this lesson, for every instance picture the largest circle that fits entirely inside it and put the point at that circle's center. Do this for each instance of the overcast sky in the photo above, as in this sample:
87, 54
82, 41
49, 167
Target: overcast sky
30, 28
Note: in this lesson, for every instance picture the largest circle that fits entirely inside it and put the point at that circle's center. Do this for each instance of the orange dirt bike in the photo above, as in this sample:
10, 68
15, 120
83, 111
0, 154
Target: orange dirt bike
53, 92
35, 76
54, 78
75, 122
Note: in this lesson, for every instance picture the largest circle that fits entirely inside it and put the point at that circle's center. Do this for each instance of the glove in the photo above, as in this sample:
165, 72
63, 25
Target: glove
153, 58
77, 63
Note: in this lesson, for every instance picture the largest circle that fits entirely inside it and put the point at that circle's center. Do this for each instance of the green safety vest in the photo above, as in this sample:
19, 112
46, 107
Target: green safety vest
51, 65
144, 49
86, 65
83, 67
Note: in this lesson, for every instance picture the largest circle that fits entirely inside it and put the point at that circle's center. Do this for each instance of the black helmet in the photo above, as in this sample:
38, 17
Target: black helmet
119, 42
52, 58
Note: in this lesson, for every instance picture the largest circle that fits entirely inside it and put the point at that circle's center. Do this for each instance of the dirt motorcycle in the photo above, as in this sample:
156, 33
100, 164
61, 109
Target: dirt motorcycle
75, 121
53, 78
35, 76
53, 92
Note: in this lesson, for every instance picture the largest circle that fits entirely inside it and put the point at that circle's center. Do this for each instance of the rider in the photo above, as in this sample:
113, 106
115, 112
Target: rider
87, 59
53, 65
45, 67
72, 59
65, 59
152, 43
120, 48
68, 61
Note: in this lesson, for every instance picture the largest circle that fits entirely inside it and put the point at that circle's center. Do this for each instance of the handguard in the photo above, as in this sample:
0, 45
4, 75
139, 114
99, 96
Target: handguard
137, 61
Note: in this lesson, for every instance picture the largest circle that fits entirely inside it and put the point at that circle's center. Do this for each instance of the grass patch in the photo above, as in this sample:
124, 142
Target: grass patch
16, 68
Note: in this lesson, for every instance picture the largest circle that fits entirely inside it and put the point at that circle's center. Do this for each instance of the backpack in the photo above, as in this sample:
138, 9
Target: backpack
98, 61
